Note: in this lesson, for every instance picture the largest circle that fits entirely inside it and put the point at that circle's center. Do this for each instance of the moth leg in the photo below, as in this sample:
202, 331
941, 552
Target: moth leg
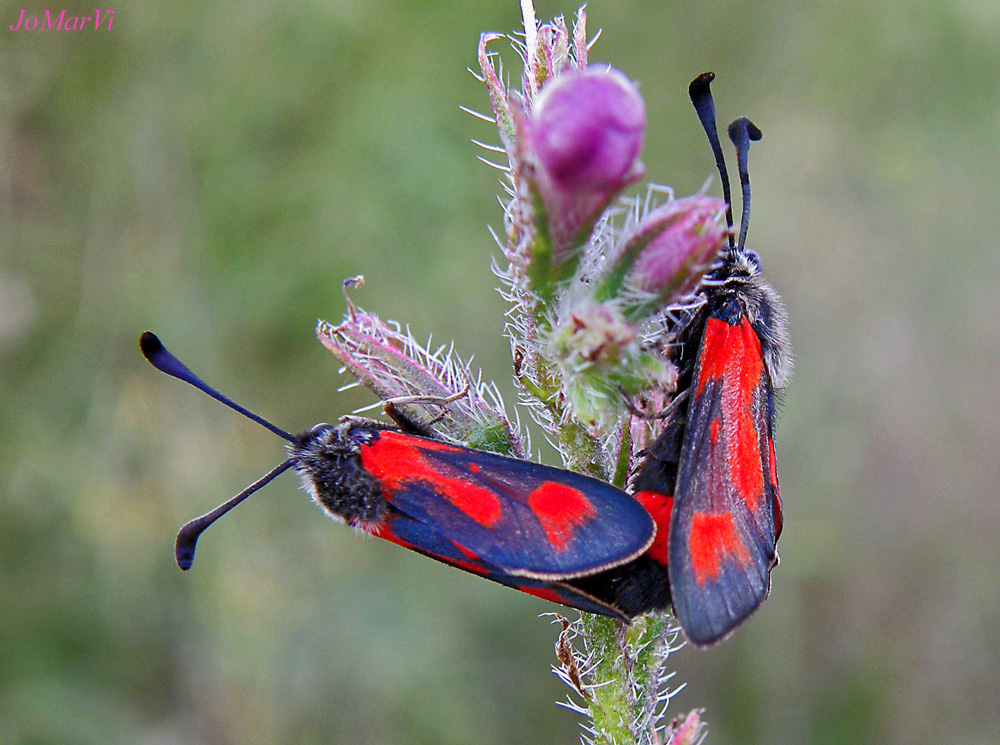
407, 424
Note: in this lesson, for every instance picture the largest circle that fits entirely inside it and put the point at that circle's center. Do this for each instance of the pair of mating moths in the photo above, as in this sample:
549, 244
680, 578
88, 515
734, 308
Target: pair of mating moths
699, 531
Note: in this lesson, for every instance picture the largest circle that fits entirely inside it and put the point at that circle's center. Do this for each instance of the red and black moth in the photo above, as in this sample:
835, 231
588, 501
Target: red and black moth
522, 524
699, 532
710, 479
726, 515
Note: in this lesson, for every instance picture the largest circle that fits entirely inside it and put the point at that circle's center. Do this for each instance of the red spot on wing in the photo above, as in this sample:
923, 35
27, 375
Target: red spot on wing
715, 355
560, 510
468, 553
713, 539
659, 506
714, 431
396, 459
731, 356
386, 532
773, 469
545, 593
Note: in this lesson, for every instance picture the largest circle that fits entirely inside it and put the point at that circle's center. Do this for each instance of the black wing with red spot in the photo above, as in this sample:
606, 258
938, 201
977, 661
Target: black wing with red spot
726, 516
405, 531
518, 518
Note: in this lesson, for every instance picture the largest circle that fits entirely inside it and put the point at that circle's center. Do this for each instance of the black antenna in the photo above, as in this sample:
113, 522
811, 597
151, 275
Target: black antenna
187, 536
158, 356
742, 132
701, 96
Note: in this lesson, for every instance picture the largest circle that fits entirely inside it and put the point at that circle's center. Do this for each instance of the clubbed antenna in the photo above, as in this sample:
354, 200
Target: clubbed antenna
158, 356
742, 132
701, 96
187, 538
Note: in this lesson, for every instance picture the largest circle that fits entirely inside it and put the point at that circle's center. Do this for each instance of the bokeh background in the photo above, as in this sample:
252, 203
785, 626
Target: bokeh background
213, 170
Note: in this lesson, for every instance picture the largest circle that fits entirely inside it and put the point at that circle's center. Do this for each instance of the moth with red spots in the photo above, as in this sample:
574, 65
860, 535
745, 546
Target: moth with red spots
522, 524
710, 479
726, 515
699, 533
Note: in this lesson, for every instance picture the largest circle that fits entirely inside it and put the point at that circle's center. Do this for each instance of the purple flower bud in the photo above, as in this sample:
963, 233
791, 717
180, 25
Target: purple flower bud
684, 238
581, 140
588, 128
665, 256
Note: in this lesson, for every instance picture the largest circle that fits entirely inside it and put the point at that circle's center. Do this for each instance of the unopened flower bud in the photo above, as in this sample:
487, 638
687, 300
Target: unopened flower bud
588, 128
593, 336
666, 255
599, 357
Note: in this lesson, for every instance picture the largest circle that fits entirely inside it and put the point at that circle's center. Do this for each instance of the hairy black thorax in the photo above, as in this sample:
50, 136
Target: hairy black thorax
328, 460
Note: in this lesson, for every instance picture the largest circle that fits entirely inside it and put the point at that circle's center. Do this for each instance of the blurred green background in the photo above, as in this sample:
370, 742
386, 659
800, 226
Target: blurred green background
213, 170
